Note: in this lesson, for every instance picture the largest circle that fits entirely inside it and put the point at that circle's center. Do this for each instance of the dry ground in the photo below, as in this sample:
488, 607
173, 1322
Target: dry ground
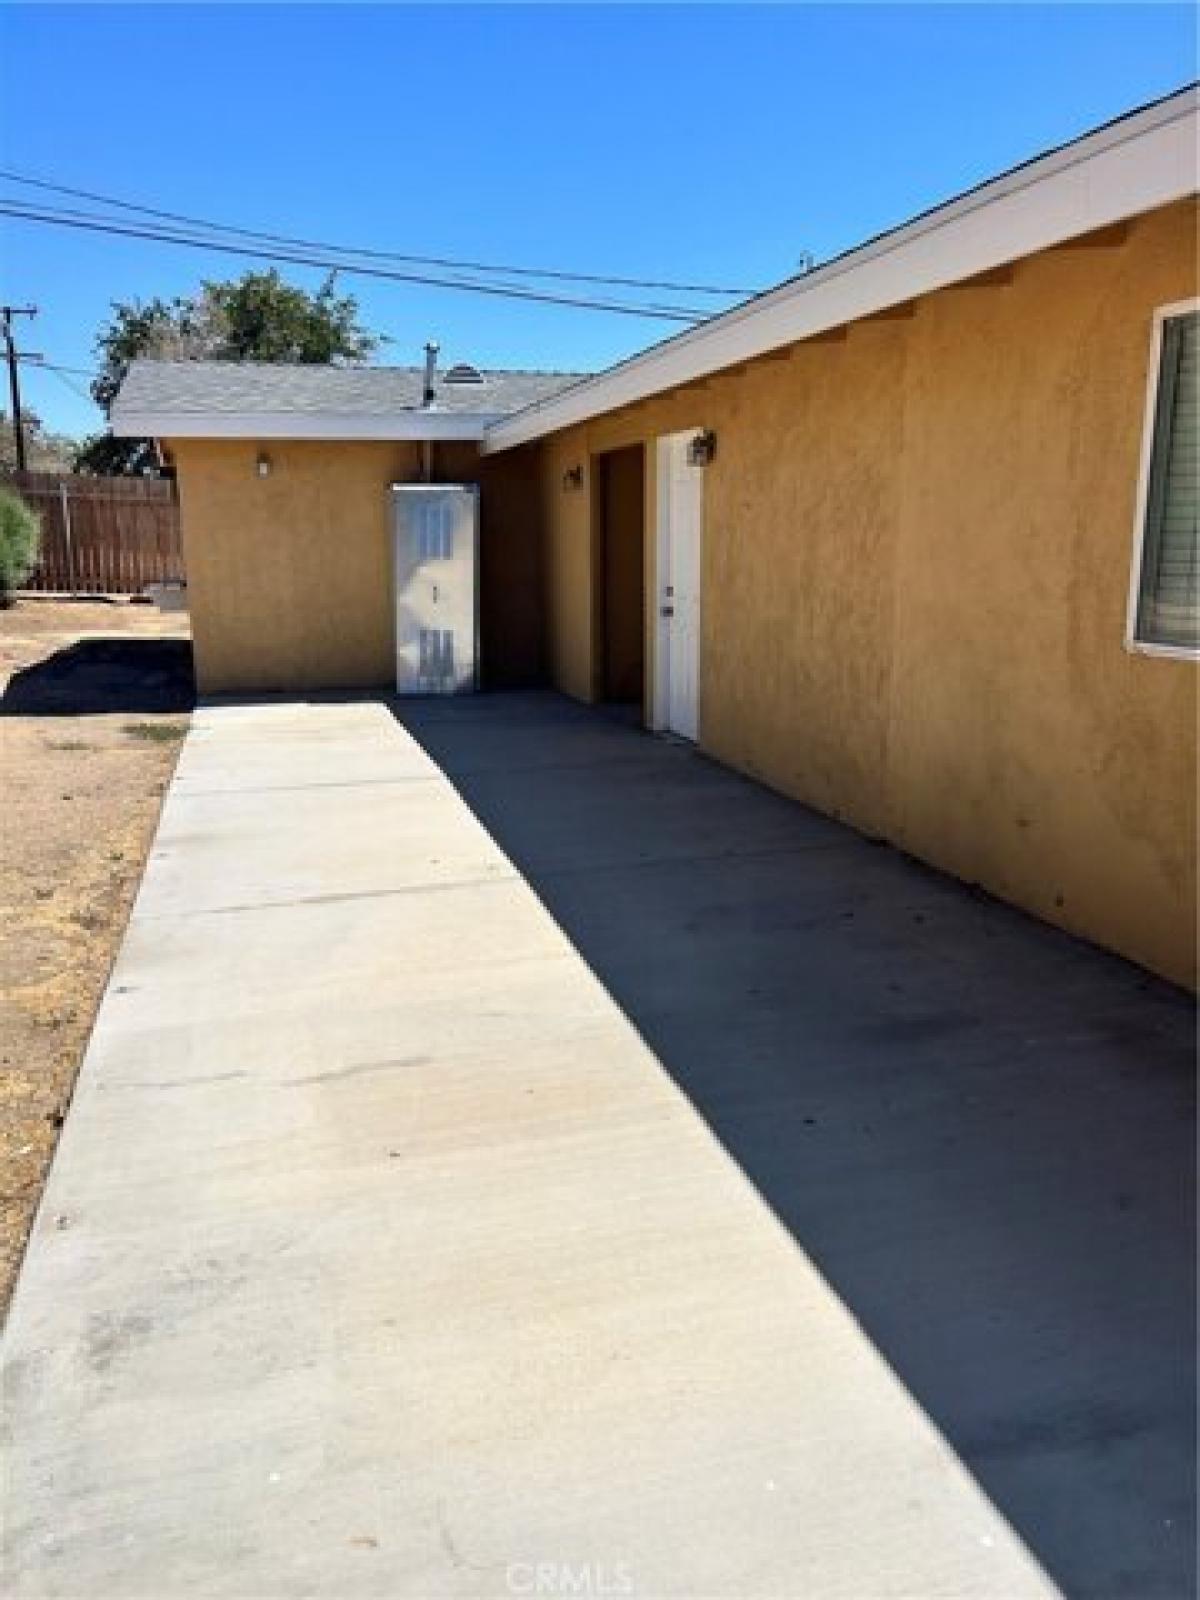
94, 705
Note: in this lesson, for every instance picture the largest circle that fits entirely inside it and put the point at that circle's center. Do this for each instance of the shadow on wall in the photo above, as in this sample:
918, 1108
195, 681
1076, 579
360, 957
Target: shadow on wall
102, 675
980, 1129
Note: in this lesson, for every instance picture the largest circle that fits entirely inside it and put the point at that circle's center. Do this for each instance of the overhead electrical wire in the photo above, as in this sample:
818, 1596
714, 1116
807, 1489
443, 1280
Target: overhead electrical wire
373, 254
97, 221
92, 223
61, 374
55, 366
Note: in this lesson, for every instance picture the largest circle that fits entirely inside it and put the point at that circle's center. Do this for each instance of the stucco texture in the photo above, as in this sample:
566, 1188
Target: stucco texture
290, 576
621, 510
917, 545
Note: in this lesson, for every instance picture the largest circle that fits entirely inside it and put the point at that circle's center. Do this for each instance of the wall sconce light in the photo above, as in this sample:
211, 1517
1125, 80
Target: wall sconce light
263, 464
702, 448
573, 478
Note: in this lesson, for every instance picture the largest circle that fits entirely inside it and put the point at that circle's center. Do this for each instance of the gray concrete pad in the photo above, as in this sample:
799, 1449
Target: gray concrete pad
517, 1156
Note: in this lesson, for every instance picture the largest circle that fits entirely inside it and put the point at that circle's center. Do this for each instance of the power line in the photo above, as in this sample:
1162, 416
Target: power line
376, 255
61, 374
68, 216
93, 224
55, 366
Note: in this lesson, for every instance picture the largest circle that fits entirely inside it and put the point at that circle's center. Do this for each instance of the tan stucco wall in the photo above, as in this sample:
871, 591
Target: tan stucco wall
510, 570
290, 576
917, 544
622, 512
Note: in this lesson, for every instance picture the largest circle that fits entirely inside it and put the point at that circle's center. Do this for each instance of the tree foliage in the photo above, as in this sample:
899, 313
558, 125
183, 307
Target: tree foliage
44, 452
261, 318
257, 317
102, 456
19, 534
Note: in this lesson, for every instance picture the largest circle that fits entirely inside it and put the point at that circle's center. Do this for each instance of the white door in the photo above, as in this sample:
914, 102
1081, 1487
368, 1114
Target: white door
680, 525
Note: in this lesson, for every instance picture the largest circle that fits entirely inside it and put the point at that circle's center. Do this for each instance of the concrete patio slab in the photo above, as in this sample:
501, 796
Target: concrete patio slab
516, 1156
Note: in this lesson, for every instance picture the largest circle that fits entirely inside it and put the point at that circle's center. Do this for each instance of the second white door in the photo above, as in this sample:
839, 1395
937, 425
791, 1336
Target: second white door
680, 525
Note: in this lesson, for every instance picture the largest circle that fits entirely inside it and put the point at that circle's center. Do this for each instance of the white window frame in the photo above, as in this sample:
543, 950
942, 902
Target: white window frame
1146, 647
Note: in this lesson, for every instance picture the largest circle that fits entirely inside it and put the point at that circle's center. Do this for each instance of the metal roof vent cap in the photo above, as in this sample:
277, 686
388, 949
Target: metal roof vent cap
431, 355
463, 372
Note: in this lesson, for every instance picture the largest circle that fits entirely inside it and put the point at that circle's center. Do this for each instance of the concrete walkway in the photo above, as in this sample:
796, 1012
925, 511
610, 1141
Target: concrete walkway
516, 1156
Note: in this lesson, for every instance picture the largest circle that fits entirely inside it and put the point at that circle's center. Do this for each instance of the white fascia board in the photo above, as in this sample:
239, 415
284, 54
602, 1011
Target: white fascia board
128, 424
1135, 165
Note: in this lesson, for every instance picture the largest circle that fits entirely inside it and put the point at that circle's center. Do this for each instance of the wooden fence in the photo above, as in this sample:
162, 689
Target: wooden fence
102, 535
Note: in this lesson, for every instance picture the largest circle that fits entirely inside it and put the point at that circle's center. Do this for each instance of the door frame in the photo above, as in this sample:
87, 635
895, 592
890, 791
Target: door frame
660, 705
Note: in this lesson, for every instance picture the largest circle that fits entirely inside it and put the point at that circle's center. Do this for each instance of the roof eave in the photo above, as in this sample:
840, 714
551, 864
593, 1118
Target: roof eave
128, 423
1129, 167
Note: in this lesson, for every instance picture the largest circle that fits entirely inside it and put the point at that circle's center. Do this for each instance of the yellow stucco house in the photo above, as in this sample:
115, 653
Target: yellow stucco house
911, 537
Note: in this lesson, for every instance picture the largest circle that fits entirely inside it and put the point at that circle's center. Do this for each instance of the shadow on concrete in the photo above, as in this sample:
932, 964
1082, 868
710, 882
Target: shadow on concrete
96, 676
980, 1129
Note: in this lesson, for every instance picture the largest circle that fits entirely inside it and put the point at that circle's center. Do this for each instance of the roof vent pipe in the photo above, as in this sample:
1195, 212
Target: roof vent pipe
431, 355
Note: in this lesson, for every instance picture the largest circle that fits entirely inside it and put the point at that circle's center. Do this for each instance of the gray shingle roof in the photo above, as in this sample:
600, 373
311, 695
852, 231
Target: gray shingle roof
234, 388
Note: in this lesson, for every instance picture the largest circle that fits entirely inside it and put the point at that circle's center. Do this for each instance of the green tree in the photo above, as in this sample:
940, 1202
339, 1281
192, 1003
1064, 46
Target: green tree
44, 452
257, 317
160, 330
19, 533
102, 456
261, 318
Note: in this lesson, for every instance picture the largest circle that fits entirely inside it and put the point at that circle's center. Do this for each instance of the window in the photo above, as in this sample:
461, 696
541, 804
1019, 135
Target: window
1165, 598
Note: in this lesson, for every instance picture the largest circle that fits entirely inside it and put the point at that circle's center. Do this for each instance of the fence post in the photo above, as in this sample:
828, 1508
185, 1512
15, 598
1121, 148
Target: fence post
65, 500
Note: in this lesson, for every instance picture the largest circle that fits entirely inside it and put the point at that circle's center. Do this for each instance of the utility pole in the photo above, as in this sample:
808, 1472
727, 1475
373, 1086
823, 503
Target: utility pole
7, 313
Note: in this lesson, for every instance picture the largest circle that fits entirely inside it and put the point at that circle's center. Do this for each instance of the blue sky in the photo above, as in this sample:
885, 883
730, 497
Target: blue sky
707, 143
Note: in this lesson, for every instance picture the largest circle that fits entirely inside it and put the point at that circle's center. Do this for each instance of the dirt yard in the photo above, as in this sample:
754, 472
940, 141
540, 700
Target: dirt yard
94, 702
